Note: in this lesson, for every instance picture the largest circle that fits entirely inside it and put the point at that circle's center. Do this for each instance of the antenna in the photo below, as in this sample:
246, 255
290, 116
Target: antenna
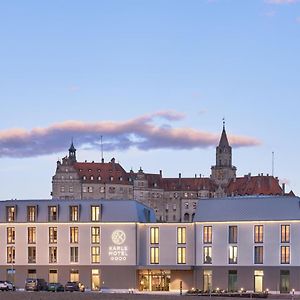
273, 159
102, 159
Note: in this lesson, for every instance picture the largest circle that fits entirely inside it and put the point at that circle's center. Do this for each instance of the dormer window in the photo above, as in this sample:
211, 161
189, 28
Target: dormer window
92, 177
99, 178
90, 170
84, 177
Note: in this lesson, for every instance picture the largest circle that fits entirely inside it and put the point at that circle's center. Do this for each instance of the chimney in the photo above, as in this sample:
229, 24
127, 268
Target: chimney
195, 175
200, 175
160, 173
283, 188
179, 175
102, 160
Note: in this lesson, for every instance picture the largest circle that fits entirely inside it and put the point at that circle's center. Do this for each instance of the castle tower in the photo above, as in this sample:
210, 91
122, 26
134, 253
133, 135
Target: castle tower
223, 171
72, 153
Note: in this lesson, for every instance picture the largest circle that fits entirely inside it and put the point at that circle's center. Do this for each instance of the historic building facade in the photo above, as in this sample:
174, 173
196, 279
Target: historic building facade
173, 199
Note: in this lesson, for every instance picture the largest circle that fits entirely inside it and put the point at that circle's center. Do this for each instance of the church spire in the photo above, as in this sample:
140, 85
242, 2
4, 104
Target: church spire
224, 141
72, 152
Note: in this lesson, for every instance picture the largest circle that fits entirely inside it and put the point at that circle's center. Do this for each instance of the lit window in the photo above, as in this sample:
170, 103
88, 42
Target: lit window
73, 254
11, 254
10, 213
84, 177
181, 235
52, 235
258, 254
31, 231
31, 213
207, 258
74, 235
102, 189
92, 177
99, 178
84, 189
52, 254
285, 254
154, 255
95, 235
181, 255
154, 235
233, 254
74, 213
11, 235
95, 213
90, 189
95, 254
207, 234
31, 255
52, 213
233, 231
285, 233
258, 234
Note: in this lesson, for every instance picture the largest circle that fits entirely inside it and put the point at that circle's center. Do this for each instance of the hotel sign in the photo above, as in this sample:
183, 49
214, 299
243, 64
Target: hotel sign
119, 251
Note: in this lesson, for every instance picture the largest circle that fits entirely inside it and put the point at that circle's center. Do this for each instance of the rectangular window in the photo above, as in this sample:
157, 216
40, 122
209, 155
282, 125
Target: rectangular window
258, 254
74, 275
181, 255
95, 254
258, 233
154, 255
233, 232
31, 213
11, 254
207, 258
52, 213
52, 235
73, 254
74, 213
285, 233
52, 254
53, 276
95, 213
233, 254
95, 235
31, 255
285, 254
31, 235
10, 213
207, 234
74, 235
11, 235
154, 235
181, 235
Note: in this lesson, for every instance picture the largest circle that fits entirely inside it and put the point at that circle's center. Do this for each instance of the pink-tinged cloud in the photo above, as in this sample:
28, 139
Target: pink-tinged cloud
140, 132
281, 1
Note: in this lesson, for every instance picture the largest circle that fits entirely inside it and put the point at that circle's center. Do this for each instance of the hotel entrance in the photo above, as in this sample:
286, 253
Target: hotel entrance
154, 280
95, 280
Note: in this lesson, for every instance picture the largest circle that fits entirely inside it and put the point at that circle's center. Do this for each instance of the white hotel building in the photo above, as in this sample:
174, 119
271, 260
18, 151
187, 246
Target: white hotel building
249, 242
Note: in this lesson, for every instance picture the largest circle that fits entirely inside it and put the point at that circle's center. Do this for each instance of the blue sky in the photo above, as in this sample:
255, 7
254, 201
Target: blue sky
99, 61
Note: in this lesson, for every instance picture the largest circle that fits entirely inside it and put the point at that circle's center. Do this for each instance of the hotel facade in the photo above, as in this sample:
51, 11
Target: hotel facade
247, 242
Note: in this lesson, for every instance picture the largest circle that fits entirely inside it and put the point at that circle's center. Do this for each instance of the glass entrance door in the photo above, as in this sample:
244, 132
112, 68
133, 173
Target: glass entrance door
154, 280
284, 281
258, 281
95, 280
232, 280
207, 280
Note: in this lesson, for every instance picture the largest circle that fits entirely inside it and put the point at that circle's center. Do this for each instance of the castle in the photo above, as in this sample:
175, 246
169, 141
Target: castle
173, 199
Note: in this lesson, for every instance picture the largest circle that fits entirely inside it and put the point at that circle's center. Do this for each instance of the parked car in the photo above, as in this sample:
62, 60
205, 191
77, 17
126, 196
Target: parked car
10, 285
55, 287
74, 286
35, 284
3, 286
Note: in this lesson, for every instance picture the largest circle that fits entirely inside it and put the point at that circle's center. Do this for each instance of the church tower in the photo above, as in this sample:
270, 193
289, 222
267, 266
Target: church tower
223, 171
72, 153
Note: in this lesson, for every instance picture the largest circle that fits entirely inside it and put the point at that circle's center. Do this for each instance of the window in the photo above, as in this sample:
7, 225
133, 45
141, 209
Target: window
74, 235
258, 234
90, 188
95, 254
74, 275
186, 205
73, 254
31, 213
181, 235
74, 213
31, 235
154, 255
95, 213
31, 255
207, 259
233, 254
62, 188
207, 234
154, 235
233, 232
285, 233
11, 254
84, 189
181, 255
52, 213
71, 189
258, 254
11, 235
53, 276
10, 213
52, 235
95, 235
285, 254
232, 281
52, 254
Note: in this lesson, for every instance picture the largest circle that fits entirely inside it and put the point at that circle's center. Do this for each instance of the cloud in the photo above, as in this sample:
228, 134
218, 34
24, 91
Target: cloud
281, 1
140, 132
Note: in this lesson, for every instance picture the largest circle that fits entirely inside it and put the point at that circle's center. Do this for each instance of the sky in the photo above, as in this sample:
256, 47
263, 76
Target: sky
153, 78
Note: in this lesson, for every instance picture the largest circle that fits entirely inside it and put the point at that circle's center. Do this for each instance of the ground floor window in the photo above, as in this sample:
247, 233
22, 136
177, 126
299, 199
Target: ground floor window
74, 275
284, 281
95, 279
207, 280
154, 280
31, 273
258, 281
232, 281
10, 274
53, 276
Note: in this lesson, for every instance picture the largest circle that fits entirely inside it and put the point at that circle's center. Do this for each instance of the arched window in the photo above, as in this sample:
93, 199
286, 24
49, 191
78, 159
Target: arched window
186, 217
